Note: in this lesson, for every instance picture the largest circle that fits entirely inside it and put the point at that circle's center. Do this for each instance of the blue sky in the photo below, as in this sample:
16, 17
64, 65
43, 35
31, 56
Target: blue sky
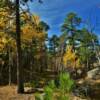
54, 12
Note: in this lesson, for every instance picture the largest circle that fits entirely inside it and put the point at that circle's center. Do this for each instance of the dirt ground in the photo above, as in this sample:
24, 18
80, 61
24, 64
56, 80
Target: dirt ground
9, 93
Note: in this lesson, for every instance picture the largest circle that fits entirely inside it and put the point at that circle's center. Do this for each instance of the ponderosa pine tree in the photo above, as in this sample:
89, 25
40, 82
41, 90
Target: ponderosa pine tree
70, 27
18, 41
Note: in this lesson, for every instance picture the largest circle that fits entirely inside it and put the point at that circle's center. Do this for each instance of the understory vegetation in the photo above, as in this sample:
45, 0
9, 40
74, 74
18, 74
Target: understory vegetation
57, 90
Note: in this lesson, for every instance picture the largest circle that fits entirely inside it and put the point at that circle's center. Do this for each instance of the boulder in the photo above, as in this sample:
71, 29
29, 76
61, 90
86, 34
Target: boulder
92, 73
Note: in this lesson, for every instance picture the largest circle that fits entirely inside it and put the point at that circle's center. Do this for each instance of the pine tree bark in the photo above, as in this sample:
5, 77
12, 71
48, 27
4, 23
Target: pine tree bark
20, 83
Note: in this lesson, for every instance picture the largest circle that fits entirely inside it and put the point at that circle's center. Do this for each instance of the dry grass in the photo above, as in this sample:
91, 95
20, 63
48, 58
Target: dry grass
9, 93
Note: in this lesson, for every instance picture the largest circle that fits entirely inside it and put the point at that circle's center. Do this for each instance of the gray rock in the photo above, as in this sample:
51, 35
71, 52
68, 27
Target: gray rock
92, 73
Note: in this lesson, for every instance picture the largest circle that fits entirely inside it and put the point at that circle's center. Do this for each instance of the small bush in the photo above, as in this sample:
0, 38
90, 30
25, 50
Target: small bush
48, 93
62, 90
38, 97
65, 82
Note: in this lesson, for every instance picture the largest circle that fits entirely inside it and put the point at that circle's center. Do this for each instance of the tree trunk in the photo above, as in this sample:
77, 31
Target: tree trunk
10, 64
87, 64
18, 43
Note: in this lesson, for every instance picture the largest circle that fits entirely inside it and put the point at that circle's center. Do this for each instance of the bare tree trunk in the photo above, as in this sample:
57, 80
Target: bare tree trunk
87, 64
20, 83
31, 61
10, 64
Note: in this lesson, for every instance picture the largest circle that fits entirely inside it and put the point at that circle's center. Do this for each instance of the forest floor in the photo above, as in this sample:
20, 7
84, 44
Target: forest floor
94, 90
9, 93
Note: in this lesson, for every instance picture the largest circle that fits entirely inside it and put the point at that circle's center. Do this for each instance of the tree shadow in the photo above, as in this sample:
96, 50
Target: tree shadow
35, 90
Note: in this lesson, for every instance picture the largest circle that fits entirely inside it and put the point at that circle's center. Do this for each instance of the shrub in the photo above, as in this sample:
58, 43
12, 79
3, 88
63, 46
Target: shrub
38, 97
62, 91
65, 86
65, 82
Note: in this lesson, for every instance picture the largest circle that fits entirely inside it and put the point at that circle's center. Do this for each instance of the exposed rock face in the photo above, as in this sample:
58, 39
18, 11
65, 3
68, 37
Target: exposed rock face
93, 73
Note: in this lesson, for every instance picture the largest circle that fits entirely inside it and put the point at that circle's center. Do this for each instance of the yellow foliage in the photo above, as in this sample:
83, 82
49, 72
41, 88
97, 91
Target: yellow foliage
70, 59
29, 29
29, 32
6, 40
3, 18
36, 19
24, 16
32, 30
